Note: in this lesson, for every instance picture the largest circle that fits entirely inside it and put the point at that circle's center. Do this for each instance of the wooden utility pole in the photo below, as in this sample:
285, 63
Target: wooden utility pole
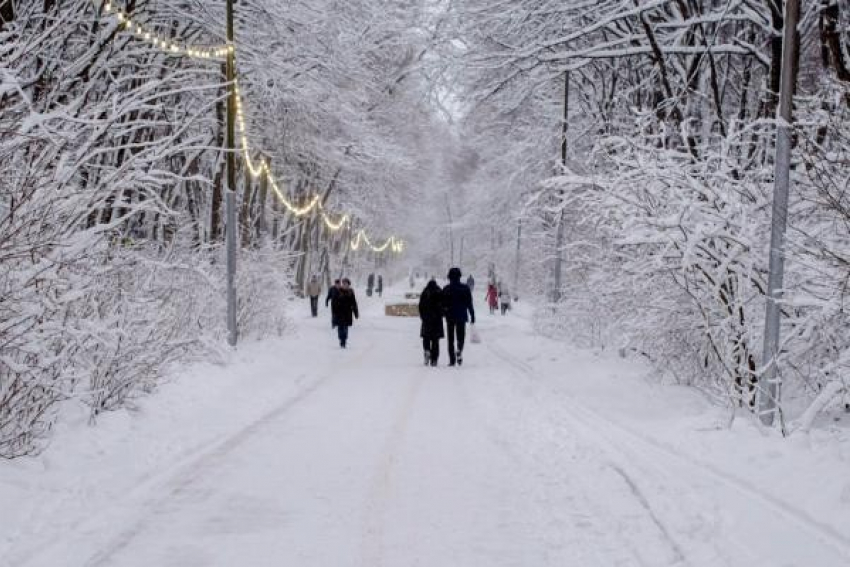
770, 382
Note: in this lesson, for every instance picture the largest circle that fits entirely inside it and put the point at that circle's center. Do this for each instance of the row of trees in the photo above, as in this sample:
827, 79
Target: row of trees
663, 194
112, 181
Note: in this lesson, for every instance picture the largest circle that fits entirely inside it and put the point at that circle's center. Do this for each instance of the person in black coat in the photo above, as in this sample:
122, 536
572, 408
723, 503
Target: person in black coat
344, 309
457, 305
431, 313
333, 291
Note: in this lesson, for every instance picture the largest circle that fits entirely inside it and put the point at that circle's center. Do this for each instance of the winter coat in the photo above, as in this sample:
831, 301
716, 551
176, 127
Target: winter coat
504, 295
370, 281
431, 311
343, 307
314, 287
380, 286
492, 296
333, 291
457, 302
470, 282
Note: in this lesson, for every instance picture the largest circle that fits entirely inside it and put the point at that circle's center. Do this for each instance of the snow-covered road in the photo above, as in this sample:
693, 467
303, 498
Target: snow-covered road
531, 454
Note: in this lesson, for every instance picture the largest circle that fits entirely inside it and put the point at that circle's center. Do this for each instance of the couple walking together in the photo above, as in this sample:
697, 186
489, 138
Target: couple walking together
454, 302
343, 308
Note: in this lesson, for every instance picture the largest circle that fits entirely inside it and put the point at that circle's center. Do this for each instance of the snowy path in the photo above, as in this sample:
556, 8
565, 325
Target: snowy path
369, 459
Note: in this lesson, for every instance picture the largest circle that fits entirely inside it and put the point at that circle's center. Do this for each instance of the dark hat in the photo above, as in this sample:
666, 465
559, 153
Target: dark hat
454, 275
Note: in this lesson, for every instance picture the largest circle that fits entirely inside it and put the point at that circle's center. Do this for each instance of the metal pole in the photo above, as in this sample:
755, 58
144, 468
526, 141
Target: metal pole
770, 382
230, 202
230, 197
516, 261
559, 235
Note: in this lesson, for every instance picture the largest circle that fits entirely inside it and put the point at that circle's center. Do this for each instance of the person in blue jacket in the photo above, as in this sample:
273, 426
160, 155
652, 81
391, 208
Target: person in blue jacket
457, 306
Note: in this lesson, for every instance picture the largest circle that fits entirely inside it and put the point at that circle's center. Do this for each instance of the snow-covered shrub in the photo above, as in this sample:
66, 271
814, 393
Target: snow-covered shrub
264, 284
151, 308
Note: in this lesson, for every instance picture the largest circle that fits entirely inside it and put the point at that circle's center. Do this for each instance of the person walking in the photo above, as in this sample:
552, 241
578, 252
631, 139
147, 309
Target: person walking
457, 305
332, 292
314, 288
370, 283
379, 288
504, 297
470, 283
344, 308
431, 314
492, 297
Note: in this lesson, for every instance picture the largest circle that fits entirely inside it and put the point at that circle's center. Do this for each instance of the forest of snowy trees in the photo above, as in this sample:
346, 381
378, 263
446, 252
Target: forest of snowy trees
638, 135
111, 191
664, 192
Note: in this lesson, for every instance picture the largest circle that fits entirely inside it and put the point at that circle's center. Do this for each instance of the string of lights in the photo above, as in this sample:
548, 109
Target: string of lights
255, 168
146, 34
392, 242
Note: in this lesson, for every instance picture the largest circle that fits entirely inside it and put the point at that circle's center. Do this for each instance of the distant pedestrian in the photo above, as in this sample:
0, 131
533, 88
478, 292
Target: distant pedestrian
344, 308
333, 291
431, 314
470, 283
492, 297
457, 303
314, 288
370, 283
379, 288
504, 297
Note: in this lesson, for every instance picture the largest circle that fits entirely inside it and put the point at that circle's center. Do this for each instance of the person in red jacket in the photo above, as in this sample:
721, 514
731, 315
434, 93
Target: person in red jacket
492, 297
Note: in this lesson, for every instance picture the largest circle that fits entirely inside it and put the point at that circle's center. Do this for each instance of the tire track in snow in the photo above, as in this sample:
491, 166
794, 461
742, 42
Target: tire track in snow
161, 488
381, 486
562, 499
612, 434
609, 545
636, 492
823, 531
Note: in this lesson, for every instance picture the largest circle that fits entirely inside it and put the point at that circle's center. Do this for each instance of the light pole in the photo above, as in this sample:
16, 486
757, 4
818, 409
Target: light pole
230, 196
770, 383
559, 237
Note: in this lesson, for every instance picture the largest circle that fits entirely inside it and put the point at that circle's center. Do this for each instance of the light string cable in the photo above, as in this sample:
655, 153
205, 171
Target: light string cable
395, 244
144, 33
169, 46
262, 168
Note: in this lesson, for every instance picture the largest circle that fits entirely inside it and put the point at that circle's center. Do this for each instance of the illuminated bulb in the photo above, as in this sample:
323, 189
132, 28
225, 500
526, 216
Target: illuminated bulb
107, 7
